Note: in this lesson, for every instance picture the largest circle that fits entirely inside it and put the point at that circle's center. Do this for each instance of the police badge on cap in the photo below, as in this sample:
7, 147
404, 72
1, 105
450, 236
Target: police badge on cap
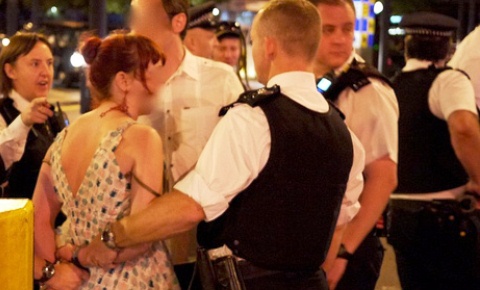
202, 16
429, 23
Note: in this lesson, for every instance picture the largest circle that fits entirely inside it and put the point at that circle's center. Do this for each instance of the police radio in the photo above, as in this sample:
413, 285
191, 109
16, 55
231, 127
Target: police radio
325, 82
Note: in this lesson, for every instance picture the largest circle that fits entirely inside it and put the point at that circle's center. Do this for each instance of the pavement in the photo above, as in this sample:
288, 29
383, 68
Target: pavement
69, 99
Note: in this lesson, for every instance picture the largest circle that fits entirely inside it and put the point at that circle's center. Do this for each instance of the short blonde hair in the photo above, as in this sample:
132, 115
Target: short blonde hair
294, 23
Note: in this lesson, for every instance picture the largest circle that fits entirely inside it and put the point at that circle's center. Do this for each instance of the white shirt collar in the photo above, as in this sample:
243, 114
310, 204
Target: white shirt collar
19, 102
415, 64
189, 66
300, 87
349, 61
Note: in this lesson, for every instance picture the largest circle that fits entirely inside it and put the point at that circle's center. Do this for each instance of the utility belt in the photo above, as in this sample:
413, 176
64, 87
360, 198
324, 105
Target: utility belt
450, 219
228, 272
218, 273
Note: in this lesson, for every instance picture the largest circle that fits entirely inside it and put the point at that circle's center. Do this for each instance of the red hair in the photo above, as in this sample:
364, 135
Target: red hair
118, 52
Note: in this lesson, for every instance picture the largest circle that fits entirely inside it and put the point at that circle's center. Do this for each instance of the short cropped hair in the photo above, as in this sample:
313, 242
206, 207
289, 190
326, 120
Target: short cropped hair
20, 44
333, 3
427, 47
295, 24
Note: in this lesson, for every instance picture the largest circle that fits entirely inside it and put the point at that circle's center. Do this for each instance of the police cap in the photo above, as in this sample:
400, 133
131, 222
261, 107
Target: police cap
202, 16
228, 29
429, 23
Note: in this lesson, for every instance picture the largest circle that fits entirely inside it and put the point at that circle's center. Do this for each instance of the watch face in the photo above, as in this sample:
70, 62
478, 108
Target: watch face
49, 271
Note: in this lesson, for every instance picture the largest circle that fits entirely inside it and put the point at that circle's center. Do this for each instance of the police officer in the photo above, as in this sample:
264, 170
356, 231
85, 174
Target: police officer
434, 238
25, 128
200, 39
369, 104
268, 191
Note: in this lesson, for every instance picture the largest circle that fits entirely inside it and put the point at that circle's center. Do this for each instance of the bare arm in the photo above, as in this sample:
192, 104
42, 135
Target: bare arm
380, 181
334, 247
47, 206
166, 216
465, 137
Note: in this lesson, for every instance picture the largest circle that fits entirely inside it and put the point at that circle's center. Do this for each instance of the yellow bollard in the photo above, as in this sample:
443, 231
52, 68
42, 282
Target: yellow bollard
16, 244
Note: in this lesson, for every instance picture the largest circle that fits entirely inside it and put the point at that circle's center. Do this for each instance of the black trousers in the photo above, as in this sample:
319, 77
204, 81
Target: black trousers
256, 278
364, 269
436, 246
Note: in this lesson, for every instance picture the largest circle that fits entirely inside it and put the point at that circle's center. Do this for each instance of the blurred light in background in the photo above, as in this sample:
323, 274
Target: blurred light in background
395, 19
77, 60
5, 41
378, 7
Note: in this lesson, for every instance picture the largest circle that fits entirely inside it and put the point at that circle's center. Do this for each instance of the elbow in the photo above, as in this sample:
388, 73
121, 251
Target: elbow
193, 211
463, 124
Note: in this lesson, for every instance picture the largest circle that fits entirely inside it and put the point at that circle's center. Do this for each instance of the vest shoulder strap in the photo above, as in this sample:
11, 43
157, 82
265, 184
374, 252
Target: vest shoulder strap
253, 98
356, 77
7, 110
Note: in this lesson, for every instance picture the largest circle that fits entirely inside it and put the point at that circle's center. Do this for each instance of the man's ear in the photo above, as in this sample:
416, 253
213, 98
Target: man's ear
179, 22
271, 48
10, 71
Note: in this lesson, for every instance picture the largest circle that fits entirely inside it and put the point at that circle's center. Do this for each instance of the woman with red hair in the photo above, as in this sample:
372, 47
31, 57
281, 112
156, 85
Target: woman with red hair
106, 166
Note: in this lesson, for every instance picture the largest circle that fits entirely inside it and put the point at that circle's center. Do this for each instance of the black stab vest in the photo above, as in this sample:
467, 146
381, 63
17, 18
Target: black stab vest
285, 219
426, 159
24, 173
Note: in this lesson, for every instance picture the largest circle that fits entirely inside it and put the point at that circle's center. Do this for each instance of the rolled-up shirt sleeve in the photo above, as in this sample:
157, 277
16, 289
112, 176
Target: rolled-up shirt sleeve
12, 140
236, 152
350, 204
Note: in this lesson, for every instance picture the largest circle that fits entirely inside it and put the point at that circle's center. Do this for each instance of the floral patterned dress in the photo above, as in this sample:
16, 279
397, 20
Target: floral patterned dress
104, 197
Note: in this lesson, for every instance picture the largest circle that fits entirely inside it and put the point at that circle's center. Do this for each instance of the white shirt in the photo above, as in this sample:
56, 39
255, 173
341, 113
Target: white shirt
450, 91
187, 109
467, 58
372, 114
240, 146
14, 136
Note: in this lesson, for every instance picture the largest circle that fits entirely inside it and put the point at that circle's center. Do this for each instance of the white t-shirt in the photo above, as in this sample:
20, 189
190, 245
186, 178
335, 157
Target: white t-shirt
240, 146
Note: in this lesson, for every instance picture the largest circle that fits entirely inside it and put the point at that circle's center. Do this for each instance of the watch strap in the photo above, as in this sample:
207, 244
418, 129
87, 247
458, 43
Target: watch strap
344, 254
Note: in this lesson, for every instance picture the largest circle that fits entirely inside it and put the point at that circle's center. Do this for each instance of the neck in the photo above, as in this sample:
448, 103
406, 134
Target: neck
174, 52
284, 65
320, 69
111, 107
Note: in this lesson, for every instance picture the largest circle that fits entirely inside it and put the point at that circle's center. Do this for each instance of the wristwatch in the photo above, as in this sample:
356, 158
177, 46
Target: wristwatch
344, 254
47, 272
108, 237
76, 261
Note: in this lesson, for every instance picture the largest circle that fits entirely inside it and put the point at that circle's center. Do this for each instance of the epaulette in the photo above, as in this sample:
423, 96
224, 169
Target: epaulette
356, 77
252, 98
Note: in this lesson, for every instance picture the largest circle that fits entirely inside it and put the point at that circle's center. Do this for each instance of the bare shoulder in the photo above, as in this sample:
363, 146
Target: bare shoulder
142, 136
